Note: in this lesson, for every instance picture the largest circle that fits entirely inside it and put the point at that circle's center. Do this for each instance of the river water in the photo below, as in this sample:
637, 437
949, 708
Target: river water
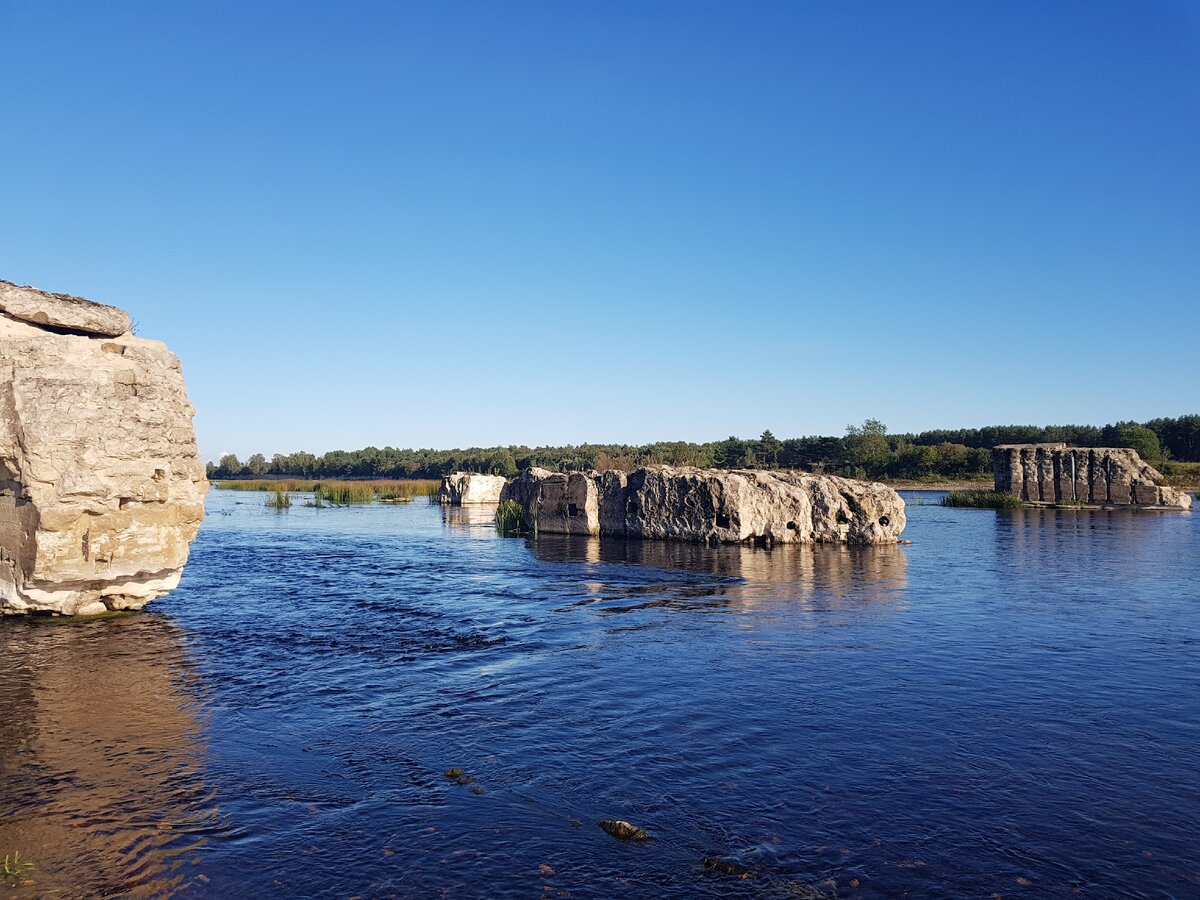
1010, 705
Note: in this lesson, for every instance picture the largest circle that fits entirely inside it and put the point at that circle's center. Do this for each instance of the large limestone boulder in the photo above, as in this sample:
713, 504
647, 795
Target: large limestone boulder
1104, 476
101, 485
470, 487
710, 505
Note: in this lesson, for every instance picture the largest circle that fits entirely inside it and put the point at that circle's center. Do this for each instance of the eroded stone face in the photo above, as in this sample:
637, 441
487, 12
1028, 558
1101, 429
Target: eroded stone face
710, 505
101, 485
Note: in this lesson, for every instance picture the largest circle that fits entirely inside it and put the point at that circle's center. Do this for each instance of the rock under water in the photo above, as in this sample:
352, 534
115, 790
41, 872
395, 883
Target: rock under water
101, 484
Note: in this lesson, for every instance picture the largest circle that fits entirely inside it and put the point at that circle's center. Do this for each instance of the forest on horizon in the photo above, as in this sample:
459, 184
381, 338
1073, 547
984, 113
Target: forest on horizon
864, 451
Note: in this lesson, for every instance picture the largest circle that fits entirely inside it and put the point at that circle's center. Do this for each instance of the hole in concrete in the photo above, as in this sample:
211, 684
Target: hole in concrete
884, 521
572, 509
722, 521
791, 526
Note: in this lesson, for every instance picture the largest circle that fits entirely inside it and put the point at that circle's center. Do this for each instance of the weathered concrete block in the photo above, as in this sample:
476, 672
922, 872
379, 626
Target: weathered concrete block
470, 487
1147, 494
1101, 475
711, 506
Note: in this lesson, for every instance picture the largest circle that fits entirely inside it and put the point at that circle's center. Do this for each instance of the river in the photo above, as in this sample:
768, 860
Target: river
1010, 705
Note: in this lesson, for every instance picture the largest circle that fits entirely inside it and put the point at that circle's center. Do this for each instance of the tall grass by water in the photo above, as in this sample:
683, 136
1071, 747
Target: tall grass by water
281, 499
337, 493
510, 519
982, 500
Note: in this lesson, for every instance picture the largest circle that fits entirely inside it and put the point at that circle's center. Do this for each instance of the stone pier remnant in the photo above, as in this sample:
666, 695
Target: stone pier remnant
1104, 476
101, 485
710, 505
460, 488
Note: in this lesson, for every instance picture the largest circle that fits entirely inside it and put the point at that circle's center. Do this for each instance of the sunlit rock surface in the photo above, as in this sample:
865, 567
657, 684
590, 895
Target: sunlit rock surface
101, 485
710, 505
1107, 476
470, 487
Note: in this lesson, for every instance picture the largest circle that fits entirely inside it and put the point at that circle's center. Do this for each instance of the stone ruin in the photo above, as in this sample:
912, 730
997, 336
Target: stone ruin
101, 485
710, 506
1102, 476
462, 488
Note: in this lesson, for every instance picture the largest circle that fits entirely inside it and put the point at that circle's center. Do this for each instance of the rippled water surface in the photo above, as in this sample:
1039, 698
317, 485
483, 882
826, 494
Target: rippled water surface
1011, 705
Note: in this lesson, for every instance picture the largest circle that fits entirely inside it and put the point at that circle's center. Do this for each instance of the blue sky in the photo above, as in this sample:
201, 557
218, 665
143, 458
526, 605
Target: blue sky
452, 224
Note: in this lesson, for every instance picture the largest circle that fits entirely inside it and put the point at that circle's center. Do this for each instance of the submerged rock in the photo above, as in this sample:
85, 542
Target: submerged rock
101, 485
710, 505
1104, 476
470, 487
623, 830
727, 867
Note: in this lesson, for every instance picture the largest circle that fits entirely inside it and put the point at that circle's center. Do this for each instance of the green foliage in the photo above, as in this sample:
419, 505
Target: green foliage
337, 492
281, 500
15, 869
1138, 437
511, 521
982, 500
865, 450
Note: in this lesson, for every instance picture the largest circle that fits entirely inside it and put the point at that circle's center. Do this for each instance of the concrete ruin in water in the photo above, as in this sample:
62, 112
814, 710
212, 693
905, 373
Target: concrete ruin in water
711, 506
1096, 476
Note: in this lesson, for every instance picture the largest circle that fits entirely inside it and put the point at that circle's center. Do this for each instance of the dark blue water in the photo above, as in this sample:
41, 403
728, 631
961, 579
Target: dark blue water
1009, 706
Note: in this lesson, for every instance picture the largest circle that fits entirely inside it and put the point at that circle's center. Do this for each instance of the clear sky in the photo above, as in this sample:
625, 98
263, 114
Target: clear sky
450, 224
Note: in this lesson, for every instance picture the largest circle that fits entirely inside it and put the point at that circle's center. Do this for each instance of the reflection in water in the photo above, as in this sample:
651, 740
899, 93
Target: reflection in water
99, 757
470, 516
736, 574
1084, 546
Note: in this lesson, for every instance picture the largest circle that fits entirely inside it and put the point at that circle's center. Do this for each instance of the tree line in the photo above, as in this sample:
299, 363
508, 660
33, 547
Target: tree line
864, 451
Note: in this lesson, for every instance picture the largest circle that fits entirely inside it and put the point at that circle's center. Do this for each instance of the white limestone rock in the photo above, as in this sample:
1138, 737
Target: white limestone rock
62, 311
470, 487
101, 485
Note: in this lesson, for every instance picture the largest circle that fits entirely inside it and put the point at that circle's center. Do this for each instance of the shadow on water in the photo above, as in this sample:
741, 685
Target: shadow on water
100, 758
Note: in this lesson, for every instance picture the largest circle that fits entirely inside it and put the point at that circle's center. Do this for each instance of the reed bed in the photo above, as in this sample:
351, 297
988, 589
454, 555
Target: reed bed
338, 493
982, 500
510, 520
281, 499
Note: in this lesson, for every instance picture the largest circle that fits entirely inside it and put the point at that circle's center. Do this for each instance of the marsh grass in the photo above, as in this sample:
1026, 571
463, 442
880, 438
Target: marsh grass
982, 500
511, 521
281, 500
15, 867
1184, 475
336, 493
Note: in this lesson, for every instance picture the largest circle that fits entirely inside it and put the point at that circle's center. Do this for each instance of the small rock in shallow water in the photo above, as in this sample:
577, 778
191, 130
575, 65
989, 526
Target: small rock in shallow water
454, 773
725, 867
545, 870
623, 830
